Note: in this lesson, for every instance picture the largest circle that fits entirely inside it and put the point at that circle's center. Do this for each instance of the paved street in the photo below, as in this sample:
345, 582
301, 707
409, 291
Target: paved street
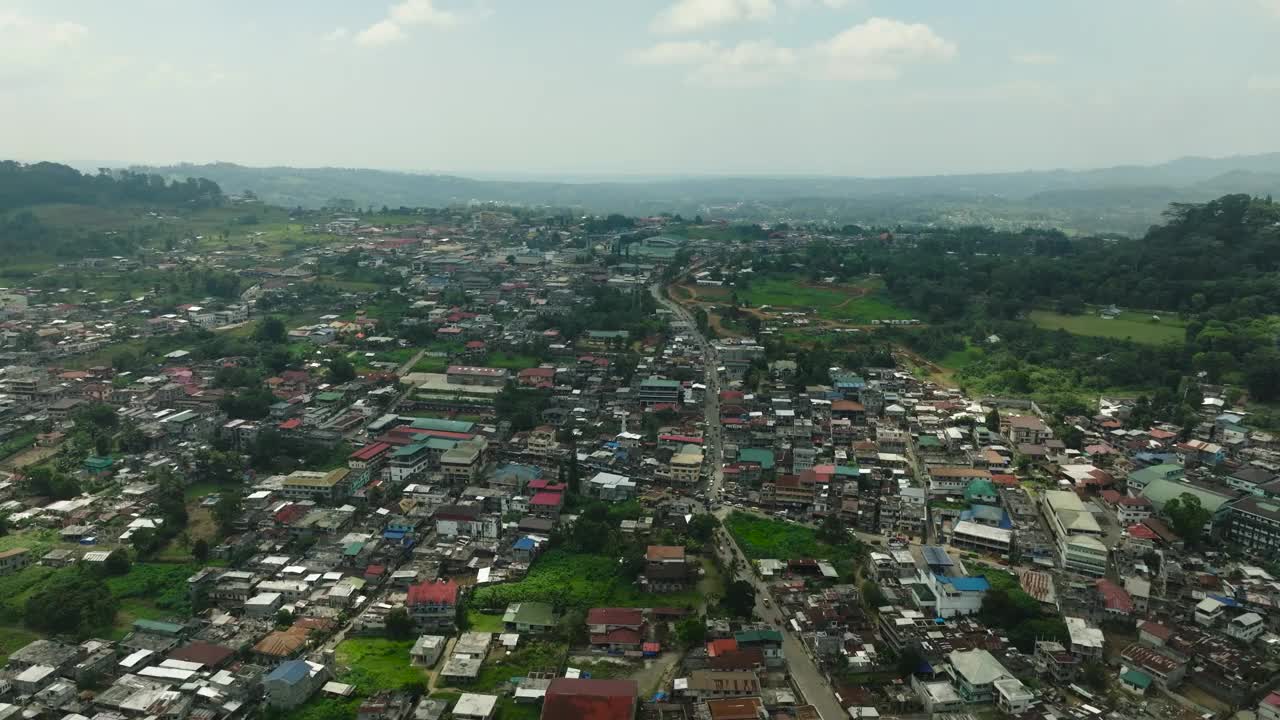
804, 672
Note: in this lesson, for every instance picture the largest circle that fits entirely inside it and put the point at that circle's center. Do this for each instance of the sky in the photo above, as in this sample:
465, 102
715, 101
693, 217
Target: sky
640, 87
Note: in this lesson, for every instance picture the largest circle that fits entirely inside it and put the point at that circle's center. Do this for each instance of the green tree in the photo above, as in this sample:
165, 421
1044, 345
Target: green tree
740, 598
200, 550
71, 602
227, 511
399, 624
909, 662
872, 595
117, 563
691, 631
993, 420
341, 371
1187, 517
271, 330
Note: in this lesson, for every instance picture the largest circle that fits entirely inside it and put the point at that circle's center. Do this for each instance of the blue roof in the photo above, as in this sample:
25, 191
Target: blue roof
291, 672
966, 584
1228, 601
935, 555
393, 534
524, 543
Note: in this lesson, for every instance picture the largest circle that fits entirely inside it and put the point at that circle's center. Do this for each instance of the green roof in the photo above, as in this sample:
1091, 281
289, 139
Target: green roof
847, 470
530, 613
757, 636
929, 441
327, 397
979, 488
1160, 492
441, 444
759, 456
413, 449
353, 549
1136, 678
1155, 472
659, 382
428, 423
95, 461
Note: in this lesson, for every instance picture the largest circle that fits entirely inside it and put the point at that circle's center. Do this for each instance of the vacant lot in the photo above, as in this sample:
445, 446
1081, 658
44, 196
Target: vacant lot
760, 537
378, 664
857, 303
568, 579
1137, 327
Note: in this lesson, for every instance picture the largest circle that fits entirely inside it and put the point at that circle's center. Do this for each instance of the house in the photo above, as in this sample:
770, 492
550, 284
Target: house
1246, 628
474, 706
583, 699
292, 682
666, 569
1163, 667
13, 560
616, 629
768, 642
1254, 524
609, 486
1209, 612
1135, 681
974, 674
1269, 708
426, 650
318, 486
704, 684
529, 617
434, 605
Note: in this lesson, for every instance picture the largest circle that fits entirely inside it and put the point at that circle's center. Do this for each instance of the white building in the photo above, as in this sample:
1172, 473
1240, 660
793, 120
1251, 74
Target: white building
1247, 627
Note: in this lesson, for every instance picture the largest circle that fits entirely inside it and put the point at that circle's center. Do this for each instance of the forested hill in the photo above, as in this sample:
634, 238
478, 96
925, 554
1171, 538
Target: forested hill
23, 185
1125, 199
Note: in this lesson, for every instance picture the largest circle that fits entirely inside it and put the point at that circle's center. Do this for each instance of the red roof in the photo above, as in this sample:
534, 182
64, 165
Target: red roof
1158, 434
614, 616
291, 424
369, 452
543, 372
617, 636
721, 646
374, 570
686, 439
1156, 629
580, 699
549, 499
434, 593
1142, 532
435, 433
289, 513
1115, 597
475, 344
546, 485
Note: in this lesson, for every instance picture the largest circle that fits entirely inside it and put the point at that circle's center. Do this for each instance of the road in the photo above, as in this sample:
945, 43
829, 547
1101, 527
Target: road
711, 361
804, 671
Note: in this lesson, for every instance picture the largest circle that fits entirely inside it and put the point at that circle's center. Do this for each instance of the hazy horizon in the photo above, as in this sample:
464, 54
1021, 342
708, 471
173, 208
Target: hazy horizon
652, 89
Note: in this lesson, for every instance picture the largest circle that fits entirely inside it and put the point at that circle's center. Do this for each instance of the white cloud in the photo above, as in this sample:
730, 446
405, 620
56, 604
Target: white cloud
383, 32
745, 64
691, 15
1270, 6
32, 39
675, 53
339, 33
1033, 58
409, 13
879, 47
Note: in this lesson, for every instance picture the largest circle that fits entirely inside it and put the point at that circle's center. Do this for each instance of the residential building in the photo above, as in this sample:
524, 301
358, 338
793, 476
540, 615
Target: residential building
666, 569
292, 682
974, 674
1246, 628
434, 605
529, 617
13, 560
315, 485
1254, 524
658, 391
583, 699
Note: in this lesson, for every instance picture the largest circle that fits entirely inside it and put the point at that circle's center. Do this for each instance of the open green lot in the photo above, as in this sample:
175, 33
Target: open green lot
529, 656
858, 303
761, 537
378, 664
1138, 327
567, 579
485, 622
511, 361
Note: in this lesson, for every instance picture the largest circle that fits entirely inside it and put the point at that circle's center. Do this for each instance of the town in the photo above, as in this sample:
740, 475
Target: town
484, 463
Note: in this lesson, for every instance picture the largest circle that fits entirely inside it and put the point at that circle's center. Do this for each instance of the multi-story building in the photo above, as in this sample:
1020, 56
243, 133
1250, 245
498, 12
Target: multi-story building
974, 674
1254, 524
1075, 531
11, 561
686, 465
408, 462
666, 569
658, 391
462, 464
468, 375
314, 485
434, 605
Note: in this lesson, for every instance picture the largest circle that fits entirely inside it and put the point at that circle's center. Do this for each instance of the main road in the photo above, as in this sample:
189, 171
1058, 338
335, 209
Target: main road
805, 674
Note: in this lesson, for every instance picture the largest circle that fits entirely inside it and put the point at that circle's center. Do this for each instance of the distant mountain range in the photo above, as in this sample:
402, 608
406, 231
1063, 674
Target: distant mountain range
1125, 199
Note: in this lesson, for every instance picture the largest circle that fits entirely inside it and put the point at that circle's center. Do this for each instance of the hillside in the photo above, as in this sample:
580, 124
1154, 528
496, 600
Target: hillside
1126, 199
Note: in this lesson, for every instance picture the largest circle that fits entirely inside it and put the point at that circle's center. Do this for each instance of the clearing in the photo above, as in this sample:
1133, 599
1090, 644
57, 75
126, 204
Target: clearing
858, 303
1134, 326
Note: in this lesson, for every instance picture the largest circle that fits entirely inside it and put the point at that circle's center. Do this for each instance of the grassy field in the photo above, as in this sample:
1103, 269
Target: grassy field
574, 580
485, 622
858, 303
533, 656
761, 537
12, 639
431, 365
1138, 327
378, 664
